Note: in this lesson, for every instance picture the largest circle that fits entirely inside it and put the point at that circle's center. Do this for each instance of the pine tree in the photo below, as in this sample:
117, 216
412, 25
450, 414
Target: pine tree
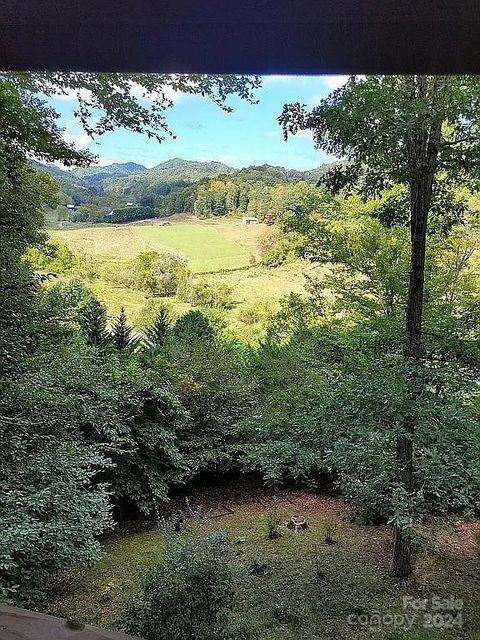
156, 334
193, 324
93, 321
122, 334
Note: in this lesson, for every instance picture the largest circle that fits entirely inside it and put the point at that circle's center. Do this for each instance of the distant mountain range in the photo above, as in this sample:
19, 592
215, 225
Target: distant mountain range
172, 170
192, 170
174, 186
52, 170
95, 176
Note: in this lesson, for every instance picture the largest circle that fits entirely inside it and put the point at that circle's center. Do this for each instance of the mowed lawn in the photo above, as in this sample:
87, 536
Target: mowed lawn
205, 246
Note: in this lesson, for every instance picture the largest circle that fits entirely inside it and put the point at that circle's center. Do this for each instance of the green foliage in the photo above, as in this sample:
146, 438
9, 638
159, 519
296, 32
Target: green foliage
87, 213
23, 193
28, 123
321, 400
150, 271
371, 262
53, 507
142, 269
92, 414
122, 335
93, 321
153, 427
51, 513
62, 301
274, 257
448, 207
193, 325
156, 334
169, 267
200, 292
366, 118
331, 404
57, 258
129, 214
340, 421
213, 381
260, 311
69, 411
278, 245
263, 192
187, 596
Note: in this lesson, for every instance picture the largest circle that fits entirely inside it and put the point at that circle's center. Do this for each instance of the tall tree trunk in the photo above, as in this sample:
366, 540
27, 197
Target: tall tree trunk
423, 154
420, 204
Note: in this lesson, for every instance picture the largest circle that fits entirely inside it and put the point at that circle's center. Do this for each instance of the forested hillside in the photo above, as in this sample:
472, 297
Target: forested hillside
96, 176
175, 186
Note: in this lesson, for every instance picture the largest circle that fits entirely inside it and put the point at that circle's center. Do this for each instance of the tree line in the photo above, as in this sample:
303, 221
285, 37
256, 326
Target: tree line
260, 191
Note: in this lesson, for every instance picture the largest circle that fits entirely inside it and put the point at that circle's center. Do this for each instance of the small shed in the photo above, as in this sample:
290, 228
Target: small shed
250, 220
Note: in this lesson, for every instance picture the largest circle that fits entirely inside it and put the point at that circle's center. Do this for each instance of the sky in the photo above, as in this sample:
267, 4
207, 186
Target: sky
249, 135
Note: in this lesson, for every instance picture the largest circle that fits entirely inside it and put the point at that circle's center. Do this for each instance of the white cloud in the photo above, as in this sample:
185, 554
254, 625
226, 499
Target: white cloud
79, 140
169, 92
333, 82
71, 95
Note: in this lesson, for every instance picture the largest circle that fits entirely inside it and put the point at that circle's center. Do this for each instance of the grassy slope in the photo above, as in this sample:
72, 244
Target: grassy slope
213, 245
289, 600
102, 242
206, 247
249, 286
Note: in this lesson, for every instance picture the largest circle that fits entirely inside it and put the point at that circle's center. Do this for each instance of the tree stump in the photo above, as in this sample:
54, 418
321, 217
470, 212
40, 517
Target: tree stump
297, 523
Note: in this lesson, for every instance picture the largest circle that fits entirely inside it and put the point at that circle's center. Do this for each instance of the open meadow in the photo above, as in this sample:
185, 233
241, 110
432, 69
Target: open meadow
208, 247
225, 252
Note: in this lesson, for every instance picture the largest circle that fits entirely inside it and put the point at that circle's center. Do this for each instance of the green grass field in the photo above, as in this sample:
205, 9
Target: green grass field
206, 246
219, 251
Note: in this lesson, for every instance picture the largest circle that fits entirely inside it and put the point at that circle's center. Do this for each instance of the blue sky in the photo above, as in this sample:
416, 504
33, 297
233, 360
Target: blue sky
249, 135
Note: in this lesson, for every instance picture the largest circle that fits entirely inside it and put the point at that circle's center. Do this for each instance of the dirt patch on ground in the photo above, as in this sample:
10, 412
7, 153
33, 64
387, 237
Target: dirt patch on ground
248, 492
459, 538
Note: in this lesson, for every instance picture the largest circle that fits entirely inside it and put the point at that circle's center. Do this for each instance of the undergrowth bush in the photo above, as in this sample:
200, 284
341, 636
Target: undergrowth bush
186, 596
203, 293
273, 522
259, 311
